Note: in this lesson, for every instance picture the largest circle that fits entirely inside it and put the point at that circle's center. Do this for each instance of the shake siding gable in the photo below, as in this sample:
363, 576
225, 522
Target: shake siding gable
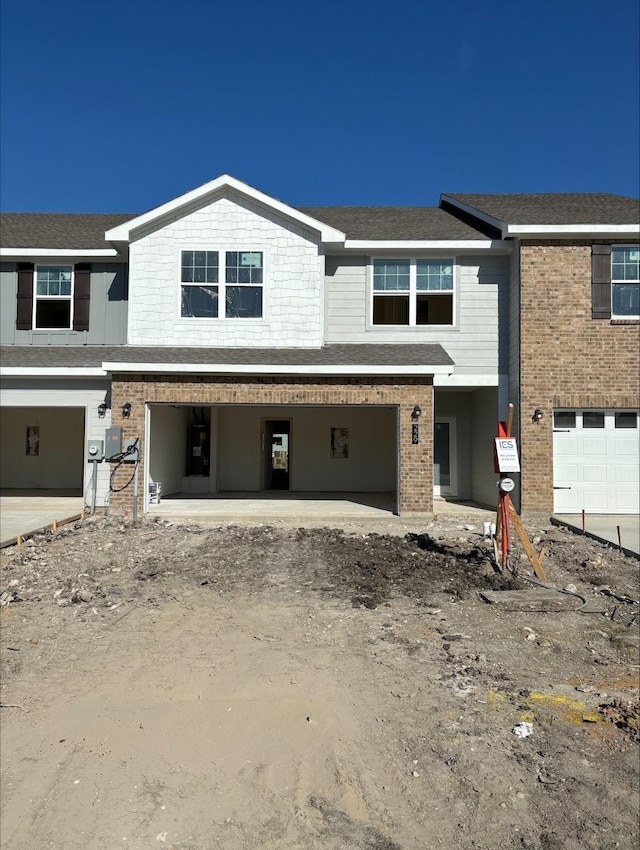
292, 289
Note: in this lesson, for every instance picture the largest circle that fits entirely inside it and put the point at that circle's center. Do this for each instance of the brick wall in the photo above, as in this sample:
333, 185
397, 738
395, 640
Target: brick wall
416, 461
568, 359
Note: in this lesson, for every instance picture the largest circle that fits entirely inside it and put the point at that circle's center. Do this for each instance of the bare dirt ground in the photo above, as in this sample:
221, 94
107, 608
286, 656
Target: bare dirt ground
192, 687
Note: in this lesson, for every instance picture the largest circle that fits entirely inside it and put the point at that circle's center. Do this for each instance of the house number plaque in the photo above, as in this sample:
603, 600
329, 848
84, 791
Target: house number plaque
415, 434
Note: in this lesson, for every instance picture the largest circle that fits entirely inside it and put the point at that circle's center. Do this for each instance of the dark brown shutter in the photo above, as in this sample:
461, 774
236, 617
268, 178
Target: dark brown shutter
24, 311
81, 294
601, 281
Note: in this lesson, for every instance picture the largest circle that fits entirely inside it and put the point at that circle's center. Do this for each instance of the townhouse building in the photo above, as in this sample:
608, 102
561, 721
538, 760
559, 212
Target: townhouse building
245, 346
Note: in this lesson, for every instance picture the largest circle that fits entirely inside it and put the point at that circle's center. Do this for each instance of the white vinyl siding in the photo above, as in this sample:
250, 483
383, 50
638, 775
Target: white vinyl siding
472, 342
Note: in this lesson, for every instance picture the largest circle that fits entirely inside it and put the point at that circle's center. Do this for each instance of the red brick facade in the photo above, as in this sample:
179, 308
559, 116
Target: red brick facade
415, 461
567, 359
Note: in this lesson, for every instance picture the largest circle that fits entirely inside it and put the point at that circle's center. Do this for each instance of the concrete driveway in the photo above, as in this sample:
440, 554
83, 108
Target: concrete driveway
605, 527
24, 511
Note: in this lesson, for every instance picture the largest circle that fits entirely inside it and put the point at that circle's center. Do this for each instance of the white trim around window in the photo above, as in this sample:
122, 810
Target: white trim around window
625, 281
221, 284
52, 297
412, 292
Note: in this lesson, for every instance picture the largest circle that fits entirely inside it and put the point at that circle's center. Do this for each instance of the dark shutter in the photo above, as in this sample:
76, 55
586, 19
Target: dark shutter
601, 281
24, 311
81, 294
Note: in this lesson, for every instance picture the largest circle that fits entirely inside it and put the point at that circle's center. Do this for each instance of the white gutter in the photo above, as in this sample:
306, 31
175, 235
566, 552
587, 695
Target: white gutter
560, 230
272, 369
428, 244
52, 372
58, 252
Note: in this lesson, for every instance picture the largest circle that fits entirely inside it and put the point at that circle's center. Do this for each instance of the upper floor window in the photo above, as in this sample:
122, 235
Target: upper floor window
412, 292
202, 292
53, 301
625, 282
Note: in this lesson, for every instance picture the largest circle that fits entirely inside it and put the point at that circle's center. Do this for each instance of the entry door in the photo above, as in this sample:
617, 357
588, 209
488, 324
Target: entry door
276, 443
444, 458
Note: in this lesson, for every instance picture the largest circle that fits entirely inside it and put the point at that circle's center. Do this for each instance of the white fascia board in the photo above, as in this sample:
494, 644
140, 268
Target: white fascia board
271, 369
122, 233
52, 372
58, 252
563, 230
428, 245
462, 380
476, 213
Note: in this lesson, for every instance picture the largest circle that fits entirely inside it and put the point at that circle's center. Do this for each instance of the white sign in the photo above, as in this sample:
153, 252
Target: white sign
507, 453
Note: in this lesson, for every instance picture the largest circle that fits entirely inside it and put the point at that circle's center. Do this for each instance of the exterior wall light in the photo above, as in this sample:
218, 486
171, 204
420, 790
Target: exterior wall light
126, 410
102, 410
416, 413
537, 414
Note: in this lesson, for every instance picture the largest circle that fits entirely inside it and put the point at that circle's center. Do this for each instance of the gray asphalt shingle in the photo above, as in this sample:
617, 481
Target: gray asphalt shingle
52, 356
555, 208
75, 231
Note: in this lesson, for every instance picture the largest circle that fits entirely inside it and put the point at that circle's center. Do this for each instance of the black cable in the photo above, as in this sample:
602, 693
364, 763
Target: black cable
119, 460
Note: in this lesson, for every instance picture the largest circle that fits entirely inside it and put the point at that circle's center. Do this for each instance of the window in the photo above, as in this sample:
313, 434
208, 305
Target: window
197, 298
626, 419
53, 299
240, 292
244, 285
625, 282
412, 292
564, 419
593, 419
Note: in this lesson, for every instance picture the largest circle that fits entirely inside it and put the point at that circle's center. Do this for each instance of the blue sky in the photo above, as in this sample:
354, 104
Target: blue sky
119, 105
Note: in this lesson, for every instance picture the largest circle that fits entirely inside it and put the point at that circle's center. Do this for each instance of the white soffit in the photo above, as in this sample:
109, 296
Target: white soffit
122, 233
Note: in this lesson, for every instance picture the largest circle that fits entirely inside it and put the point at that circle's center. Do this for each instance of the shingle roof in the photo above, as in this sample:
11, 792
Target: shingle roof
75, 231
560, 208
85, 231
30, 356
391, 223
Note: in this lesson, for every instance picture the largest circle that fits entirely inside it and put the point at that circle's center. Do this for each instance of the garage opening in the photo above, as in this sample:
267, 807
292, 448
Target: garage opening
277, 452
42, 448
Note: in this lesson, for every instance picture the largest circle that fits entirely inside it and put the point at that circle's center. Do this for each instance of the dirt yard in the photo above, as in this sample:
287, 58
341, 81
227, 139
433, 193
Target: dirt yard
252, 688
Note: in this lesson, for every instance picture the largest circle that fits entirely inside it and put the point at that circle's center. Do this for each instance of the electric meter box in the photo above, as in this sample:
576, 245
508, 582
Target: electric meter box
113, 442
95, 449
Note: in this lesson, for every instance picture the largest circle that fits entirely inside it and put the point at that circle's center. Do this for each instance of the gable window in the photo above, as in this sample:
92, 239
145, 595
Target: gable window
53, 301
243, 278
625, 282
412, 292
202, 291
198, 298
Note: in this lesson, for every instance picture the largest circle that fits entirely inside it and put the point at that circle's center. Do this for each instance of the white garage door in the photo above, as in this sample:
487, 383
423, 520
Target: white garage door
596, 461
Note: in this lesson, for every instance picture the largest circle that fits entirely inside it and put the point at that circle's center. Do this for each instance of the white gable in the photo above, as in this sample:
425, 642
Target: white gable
204, 195
293, 274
